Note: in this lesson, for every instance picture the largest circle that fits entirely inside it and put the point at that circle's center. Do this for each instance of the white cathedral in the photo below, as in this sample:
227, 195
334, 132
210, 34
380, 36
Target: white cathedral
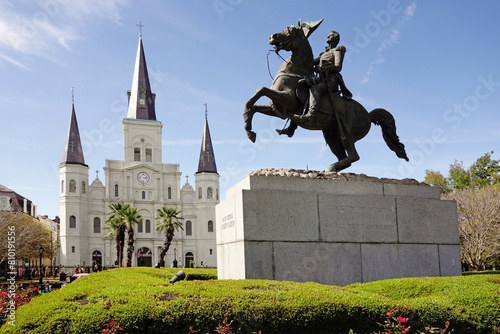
142, 180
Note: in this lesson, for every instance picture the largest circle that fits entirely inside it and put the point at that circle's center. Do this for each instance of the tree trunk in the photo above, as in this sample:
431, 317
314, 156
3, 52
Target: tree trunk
120, 243
117, 241
169, 236
130, 246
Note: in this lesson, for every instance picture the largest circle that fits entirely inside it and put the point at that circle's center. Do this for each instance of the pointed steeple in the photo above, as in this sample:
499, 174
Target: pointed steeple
73, 152
207, 158
141, 102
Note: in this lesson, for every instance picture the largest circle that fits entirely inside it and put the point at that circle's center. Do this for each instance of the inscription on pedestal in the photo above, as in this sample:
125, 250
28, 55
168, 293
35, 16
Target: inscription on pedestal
357, 218
227, 221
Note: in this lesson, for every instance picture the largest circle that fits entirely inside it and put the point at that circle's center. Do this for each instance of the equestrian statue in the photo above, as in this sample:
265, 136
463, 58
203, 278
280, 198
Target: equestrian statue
311, 93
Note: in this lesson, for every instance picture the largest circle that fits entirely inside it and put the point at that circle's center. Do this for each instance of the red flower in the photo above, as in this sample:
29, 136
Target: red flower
403, 320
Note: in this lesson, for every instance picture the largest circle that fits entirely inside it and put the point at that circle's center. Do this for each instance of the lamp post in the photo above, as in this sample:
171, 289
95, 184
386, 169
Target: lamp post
40, 249
175, 257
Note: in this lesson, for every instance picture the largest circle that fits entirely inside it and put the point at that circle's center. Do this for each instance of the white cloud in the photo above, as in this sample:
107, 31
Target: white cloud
410, 10
90, 9
42, 28
14, 62
392, 39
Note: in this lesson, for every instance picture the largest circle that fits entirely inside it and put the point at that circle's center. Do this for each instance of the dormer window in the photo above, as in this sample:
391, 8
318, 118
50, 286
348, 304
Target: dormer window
142, 98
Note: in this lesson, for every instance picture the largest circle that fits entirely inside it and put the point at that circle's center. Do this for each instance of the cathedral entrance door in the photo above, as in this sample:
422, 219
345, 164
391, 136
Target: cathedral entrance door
96, 260
144, 257
189, 260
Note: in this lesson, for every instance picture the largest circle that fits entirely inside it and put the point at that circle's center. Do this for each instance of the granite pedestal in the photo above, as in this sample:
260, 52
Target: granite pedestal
334, 228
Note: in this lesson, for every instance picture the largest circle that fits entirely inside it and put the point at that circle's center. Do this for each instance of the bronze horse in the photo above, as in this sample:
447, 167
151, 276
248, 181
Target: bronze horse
342, 121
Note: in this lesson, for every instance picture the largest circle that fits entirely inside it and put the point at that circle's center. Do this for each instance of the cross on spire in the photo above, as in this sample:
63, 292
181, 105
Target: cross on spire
72, 144
97, 174
206, 109
140, 25
187, 178
73, 95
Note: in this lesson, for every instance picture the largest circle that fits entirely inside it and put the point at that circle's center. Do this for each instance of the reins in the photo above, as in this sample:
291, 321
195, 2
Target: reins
285, 61
268, 68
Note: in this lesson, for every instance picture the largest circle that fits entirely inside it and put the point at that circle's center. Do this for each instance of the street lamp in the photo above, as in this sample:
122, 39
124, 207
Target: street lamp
40, 249
175, 257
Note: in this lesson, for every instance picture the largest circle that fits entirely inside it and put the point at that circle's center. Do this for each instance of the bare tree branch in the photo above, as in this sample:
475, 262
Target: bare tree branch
478, 224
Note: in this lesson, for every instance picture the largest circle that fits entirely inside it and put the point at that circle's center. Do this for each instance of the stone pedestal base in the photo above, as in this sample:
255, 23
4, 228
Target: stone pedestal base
334, 229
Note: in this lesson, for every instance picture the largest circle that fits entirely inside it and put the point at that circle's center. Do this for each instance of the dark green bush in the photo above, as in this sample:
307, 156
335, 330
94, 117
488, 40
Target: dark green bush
201, 275
489, 272
142, 300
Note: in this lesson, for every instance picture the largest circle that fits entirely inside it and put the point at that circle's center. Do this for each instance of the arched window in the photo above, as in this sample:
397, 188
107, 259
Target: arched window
72, 186
209, 193
116, 190
217, 193
137, 154
199, 193
143, 195
210, 226
62, 186
139, 227
83, 187
149, 155
72, 222
189, 228
169, 193
148, 226
189, 260
97, 225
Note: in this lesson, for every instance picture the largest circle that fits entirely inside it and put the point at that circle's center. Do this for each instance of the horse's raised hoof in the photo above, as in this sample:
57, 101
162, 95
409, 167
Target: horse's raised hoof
331, 168
286, 131
252, 136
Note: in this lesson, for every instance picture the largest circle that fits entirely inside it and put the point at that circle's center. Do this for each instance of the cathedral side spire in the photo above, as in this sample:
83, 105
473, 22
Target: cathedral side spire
73, 152
141, 101
207, 158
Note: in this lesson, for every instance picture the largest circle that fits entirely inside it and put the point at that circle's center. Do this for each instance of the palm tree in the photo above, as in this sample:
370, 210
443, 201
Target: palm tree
130, 218
117, 228
169, 222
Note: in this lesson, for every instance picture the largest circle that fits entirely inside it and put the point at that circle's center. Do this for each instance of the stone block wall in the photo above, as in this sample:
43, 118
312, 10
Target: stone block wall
334, 228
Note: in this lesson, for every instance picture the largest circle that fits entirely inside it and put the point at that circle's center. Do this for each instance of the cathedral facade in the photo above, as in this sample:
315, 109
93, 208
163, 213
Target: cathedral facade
144, 182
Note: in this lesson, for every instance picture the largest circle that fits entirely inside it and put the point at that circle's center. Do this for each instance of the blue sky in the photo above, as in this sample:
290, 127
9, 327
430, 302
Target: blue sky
433, 65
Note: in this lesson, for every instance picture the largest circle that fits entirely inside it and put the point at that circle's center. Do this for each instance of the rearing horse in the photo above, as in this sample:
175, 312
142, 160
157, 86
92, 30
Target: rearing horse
342, 121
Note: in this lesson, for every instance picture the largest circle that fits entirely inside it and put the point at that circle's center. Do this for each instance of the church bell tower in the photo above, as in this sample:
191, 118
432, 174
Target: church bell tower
73, 195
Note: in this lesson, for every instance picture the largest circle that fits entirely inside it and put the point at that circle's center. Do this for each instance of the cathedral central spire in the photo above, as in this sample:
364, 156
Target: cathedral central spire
141, 101
207, 158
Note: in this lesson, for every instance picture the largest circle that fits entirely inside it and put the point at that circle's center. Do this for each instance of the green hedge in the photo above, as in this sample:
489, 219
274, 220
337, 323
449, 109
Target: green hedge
142, 300
487, 272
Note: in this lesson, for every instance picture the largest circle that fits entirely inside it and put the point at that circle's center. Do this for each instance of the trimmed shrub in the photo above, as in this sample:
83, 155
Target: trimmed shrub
141, 300
488, 272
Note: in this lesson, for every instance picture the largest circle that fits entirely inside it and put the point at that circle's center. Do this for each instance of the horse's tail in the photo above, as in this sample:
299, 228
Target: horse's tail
384, 118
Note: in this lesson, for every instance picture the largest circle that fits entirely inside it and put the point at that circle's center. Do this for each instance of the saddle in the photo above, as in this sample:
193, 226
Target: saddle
341, 105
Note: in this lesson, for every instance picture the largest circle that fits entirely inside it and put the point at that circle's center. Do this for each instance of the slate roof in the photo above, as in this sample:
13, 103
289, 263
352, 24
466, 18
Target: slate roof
15, 200
141, 86
73, 152
207, 158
